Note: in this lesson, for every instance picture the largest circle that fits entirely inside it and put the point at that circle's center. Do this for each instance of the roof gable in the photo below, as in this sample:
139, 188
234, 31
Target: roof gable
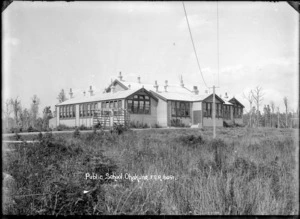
211, 96
235, 101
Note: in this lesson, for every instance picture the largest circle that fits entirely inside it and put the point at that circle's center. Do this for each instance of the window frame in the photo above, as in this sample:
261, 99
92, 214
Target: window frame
137, 104
180, 109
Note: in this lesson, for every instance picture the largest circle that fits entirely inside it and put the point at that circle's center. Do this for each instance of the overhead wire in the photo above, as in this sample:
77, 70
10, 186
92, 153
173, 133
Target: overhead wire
193, 44
218, 43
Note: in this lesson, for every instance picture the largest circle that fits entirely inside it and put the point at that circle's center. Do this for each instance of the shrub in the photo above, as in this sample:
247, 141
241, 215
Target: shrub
62, 127
83, 127
40, 136
191, 139
157, 126
76, 133
138, 125
17, 136
177, 123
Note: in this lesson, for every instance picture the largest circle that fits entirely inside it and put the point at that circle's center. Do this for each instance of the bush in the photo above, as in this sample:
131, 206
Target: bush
83, 127
76, 133
191, 139
138, 125
62, 127
31, 129
177, 123
157, 126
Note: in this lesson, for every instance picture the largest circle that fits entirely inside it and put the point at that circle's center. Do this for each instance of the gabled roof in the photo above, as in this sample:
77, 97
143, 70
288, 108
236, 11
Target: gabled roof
232, 100
217, 97
174, 92
106, 96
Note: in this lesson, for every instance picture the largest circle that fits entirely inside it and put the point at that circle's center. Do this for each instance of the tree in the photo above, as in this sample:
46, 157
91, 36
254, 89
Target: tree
62, 96
34, 109
285, 101
16, 105
278, 125
258, 97
47, 115
272, 104
249, 97
7, 110
25, 119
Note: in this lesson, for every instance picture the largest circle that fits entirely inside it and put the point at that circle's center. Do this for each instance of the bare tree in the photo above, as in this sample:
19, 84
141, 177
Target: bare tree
258, 97
249, 97
272, 104
62, 96
285, 101
16, 105
8, 110
47, 115
34, 110
25, 118
278, 125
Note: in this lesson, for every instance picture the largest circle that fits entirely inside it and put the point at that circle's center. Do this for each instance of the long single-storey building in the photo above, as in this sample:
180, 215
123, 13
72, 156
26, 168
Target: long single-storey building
152, 104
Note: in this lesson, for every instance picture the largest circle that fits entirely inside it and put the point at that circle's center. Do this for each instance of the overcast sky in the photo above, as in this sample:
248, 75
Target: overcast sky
49, 46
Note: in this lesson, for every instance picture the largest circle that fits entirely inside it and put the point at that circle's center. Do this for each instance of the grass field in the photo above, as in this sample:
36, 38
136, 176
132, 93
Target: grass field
243, 171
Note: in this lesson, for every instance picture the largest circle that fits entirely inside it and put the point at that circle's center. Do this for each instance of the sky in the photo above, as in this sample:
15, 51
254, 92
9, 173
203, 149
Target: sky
49, 46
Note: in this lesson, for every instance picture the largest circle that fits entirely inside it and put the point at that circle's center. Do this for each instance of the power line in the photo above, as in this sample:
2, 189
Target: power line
218, 41
193, 44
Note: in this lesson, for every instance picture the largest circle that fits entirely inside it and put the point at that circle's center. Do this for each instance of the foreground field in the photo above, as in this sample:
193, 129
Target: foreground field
243, 171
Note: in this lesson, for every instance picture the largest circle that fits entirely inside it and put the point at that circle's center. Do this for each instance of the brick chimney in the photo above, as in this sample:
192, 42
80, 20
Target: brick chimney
156, 86
195, 90
129, 86
226, 95
139, 79
91, 91
120, 76
83, 93
71, 93
166, 85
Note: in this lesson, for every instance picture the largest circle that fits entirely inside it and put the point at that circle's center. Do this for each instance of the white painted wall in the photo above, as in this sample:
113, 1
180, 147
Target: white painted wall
162, 116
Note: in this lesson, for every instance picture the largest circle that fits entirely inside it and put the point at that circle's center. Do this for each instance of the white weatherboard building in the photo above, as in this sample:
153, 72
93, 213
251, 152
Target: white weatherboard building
152, 104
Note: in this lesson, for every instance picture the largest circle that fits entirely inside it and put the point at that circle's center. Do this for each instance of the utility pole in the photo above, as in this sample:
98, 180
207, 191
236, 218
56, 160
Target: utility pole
214, 112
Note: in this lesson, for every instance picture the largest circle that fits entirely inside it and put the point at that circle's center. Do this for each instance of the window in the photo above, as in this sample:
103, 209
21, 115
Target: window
119, 103
226, 112
64, 111
80, 110
88, 109
135, 106
60, 112
237, 111
139, 104
92, 109
129, 106
180, 109
219, 110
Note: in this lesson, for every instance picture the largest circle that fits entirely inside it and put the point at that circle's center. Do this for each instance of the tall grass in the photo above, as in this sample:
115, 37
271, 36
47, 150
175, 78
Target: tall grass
242, 172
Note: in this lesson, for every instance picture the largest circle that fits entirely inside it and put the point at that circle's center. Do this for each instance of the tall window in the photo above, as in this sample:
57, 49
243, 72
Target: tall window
81, 110
226, 112
219, 110
139, 104
207, 109
237, 111
71, 111
180, 109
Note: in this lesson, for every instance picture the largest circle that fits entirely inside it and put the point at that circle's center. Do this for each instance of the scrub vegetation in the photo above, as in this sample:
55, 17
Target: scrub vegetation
242, 172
